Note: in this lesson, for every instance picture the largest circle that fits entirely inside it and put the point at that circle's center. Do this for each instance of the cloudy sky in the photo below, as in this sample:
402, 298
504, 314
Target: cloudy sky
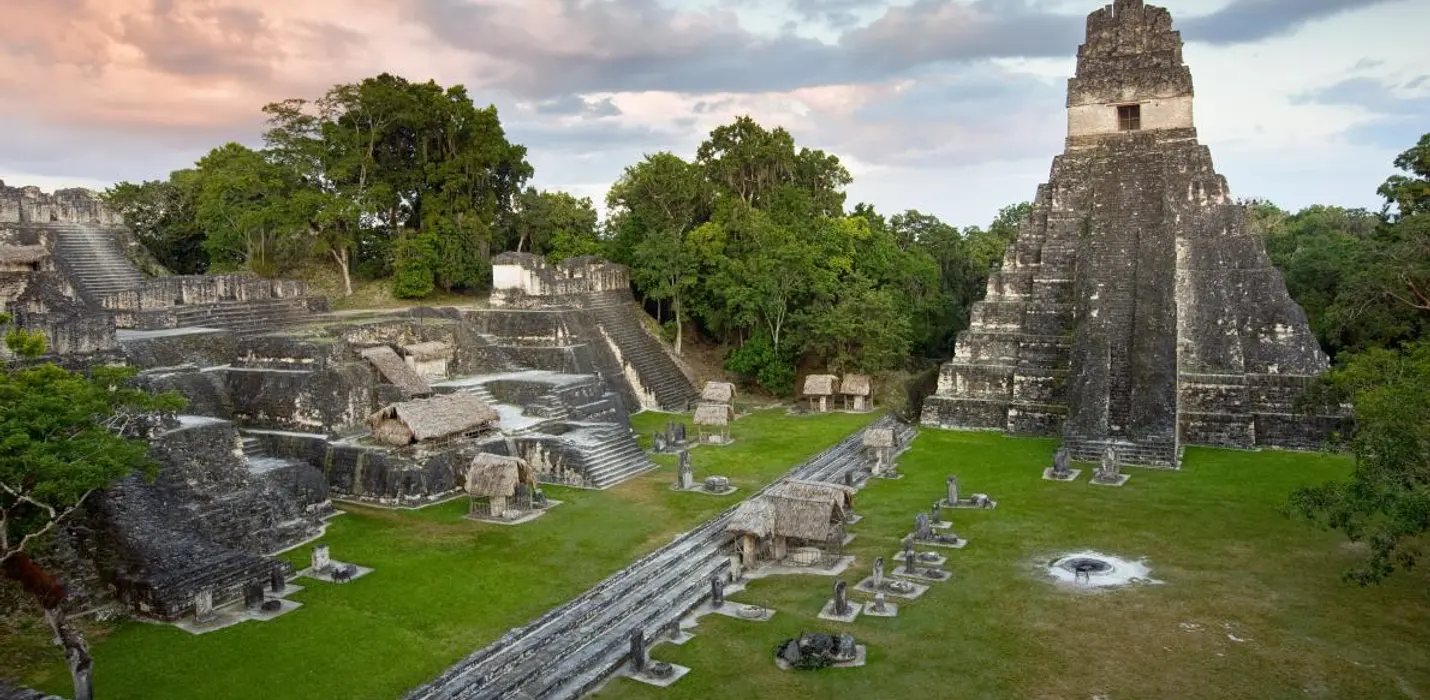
953, 107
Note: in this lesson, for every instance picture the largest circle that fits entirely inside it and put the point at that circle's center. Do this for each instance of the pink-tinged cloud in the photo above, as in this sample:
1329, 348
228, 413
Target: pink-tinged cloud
201, 64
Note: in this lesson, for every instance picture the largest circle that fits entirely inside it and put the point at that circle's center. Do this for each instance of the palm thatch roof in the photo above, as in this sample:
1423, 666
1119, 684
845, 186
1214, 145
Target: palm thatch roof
430, 350
430, 418
713, 414
820, 384
879, 437
497, 475
800, 509
768, 516
718, 392
838, 494
855, 385
394, 370
22, 254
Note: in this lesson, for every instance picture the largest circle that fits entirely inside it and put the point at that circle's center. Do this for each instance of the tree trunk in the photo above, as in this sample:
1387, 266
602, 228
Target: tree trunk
76, 653
341, 255
679, 323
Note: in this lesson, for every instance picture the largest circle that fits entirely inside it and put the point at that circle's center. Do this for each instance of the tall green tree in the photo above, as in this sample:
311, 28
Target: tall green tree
1386, 502
244, 205
554, 224
654, 207
162, 215
63, 436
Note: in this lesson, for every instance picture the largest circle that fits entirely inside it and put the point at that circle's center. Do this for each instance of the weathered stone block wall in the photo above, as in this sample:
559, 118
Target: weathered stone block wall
329, 399
471, 353
207, 391
522, 280
207, 349
192, 290
74, 205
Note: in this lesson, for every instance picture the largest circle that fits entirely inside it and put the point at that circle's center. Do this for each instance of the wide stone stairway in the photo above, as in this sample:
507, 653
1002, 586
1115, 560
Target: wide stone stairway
611, 456
96, 263
657, 371
245, 318
570, 650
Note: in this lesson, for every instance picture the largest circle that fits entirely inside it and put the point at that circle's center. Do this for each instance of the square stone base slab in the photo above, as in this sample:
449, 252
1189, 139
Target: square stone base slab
288, 589
1072, 475
890, 475
1121, 479
734, 609
778, 569
223, 617
861, 656
941, 525
853, 519
258, 615
967, 505
827, 613
890, 609
867, 586
680, 637
700, 488
680, 672
939, 561
526, 517
930, 543
903, 571
328, 575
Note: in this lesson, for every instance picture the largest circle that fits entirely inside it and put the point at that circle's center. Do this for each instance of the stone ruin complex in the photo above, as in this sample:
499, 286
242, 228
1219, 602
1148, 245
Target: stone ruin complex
284, 396
1135, 309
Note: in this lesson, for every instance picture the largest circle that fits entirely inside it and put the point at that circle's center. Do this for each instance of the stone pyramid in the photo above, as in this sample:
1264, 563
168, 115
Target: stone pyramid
1134, 309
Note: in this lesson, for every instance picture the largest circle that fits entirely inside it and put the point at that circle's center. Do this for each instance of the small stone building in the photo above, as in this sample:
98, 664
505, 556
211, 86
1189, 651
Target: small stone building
791, 514
879, 449
857, 391
428, 359
499, 487
821, 387
437, 418
712, 423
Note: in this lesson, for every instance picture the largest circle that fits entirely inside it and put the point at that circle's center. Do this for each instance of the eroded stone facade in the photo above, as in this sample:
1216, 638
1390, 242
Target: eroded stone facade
1134, 308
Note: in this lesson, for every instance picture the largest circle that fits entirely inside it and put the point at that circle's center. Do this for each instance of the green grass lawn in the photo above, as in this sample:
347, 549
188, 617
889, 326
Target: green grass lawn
1231, 565
443, 586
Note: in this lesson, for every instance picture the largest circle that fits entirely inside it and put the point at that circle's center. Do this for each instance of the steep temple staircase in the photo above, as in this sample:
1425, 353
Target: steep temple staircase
96, 264
643, 353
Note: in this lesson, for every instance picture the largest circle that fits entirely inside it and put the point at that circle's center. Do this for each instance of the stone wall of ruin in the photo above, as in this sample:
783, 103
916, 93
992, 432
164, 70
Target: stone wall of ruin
32, 205
523, 280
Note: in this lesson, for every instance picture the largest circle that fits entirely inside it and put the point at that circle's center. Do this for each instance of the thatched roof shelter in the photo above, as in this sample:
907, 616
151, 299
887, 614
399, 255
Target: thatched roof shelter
431, 418
392, 368
879, 437
855, 385
429, 350
718, 392
820, 384
800, 509
497, 475
838, 494
22, 254
713, 414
